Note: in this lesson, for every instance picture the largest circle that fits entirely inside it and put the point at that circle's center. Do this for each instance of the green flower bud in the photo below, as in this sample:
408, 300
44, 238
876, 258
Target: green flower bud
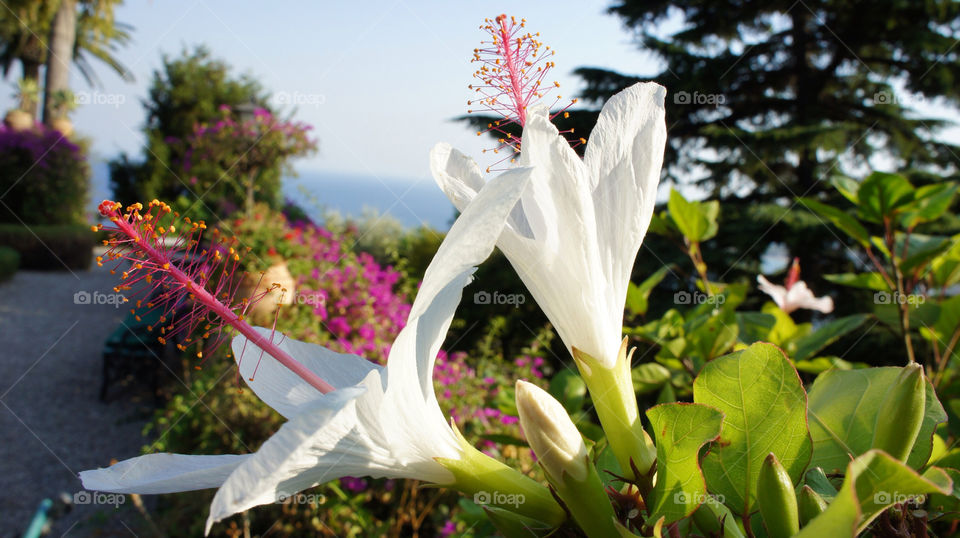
901, 415
563, 455
809, 504
778, 503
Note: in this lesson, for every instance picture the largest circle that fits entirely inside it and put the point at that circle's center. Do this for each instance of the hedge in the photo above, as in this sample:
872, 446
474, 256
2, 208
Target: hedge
9, 262
50, 247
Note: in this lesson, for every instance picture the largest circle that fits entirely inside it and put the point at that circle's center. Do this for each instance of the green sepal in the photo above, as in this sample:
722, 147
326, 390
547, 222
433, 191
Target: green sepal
616, 404
478, 475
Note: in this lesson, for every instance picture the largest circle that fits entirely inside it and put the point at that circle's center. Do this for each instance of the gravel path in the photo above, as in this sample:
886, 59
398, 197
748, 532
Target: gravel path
52, 424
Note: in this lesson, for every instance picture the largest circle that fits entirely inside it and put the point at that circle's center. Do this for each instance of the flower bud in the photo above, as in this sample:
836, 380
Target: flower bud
778, 502
901, 414
809, 504
550, 432
563, 456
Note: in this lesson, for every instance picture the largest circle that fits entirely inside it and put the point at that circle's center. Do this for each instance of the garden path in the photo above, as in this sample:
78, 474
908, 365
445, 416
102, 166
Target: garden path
52, 424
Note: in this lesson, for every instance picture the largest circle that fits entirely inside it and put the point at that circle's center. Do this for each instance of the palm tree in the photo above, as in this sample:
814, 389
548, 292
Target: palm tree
28, 32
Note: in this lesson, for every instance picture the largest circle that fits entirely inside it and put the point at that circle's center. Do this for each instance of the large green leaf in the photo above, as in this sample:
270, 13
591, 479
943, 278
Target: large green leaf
697, 221
882, 195
848, 187
764, 403
826, 335
846, 222
874, 482
681, 429
844, 405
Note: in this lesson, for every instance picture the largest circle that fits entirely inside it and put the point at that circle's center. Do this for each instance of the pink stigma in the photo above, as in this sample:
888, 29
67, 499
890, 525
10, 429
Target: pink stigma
189, 279
513, 67
793, 275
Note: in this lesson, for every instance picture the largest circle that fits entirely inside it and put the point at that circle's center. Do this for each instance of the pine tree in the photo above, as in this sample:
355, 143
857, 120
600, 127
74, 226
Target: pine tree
770, 98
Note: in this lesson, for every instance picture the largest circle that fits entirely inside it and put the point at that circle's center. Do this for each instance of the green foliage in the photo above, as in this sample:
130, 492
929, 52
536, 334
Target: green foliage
187, 91
50, 247
763, 414
845, 411
9, 263
680, 431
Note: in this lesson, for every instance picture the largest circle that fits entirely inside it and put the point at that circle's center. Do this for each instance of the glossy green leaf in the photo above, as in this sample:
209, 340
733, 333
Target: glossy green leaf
825, 335
839, 218
873, 482
844, 408
882, 195
848, 187
697, 221
930, 203
870, 281
638, 294
680, 431
764, 403
754, 326
649, 376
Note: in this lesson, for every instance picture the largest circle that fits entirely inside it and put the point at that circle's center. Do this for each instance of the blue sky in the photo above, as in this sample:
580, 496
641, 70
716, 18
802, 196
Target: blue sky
378, 80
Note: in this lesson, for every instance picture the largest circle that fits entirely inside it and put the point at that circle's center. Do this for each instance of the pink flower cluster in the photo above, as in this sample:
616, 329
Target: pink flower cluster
353, 296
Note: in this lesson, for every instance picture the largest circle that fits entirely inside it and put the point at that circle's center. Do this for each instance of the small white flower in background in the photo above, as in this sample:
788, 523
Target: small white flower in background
575, 236
379, 422
794, 294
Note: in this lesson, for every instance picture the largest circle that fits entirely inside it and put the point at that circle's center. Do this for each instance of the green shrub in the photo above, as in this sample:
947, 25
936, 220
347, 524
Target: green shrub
9, 262
44, 177
50, 247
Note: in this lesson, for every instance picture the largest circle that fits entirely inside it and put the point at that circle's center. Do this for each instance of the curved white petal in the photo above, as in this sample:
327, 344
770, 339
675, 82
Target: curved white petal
624, 156
576, 235
395, 428
162, 473
284, 390
801, 296
457, 175
470, 241
338, 435
776, 292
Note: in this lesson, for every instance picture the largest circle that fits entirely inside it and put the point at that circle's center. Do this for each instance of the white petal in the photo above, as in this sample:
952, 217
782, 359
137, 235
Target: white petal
624, 156
776, 292
554, 249
284, 390
162, 473
800, 296
339, 435
457, 175
470, 241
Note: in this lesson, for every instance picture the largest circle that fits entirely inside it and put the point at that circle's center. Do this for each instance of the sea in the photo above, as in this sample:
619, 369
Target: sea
414, 202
